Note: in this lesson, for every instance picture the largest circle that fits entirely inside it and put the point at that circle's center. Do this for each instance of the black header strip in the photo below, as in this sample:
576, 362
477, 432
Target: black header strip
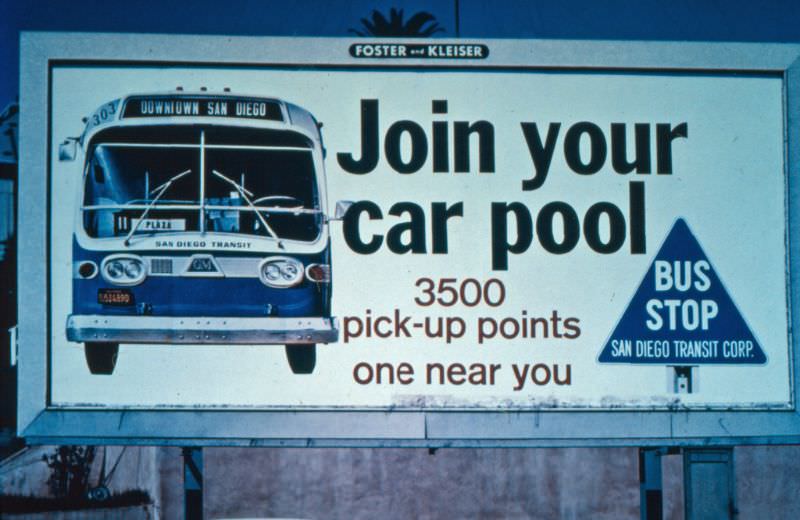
202, 106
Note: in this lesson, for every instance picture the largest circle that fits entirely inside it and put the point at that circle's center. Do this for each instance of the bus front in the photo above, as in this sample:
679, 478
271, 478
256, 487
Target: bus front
202, 219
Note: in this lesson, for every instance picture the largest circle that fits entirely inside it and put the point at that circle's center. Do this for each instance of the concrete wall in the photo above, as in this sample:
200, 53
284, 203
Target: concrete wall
768, 482
413, 483
492, 483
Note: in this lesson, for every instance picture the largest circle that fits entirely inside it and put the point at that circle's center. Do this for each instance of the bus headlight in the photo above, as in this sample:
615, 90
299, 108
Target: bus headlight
281, 272
123, 269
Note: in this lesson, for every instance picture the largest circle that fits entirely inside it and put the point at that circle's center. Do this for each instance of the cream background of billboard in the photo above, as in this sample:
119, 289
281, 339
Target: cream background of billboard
728, 184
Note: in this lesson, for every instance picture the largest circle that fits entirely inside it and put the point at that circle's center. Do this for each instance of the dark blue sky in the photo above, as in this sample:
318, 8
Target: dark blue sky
699, 20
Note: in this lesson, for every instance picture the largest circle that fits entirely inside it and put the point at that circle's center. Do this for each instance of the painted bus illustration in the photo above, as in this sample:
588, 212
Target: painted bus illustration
202, 219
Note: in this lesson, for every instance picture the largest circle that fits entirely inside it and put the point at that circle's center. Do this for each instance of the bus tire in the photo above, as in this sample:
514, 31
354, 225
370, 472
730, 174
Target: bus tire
101, 357
302, 358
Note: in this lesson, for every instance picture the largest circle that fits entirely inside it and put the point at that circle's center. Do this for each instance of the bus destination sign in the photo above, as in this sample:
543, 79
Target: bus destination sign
202, 106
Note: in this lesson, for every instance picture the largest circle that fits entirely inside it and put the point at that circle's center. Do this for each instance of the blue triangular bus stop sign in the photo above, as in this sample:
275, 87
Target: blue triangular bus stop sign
681, 314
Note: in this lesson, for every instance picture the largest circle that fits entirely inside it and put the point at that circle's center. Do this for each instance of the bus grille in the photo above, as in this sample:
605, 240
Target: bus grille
161, 266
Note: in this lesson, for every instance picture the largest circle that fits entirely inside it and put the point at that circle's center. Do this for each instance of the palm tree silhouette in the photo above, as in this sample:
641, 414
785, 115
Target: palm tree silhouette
421, 25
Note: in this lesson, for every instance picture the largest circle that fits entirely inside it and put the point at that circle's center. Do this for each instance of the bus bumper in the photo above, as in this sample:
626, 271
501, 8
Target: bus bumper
200, 330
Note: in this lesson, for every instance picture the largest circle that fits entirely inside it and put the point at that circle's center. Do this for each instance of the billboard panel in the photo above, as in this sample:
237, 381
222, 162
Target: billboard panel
434, 234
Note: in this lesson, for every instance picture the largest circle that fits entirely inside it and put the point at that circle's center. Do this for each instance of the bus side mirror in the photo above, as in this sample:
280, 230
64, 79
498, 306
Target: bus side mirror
341, 209
68, 150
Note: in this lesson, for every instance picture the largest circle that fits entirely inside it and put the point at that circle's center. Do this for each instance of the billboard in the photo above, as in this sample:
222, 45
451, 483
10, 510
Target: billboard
398, 243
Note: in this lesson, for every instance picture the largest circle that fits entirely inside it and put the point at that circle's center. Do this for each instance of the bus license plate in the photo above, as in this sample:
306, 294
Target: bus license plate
120, 297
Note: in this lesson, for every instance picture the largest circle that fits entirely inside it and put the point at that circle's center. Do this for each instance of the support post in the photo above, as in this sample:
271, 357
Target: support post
193, 483
650, 486
708, 483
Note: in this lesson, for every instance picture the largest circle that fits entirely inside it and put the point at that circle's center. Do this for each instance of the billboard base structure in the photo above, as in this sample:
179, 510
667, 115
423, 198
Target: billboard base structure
193, 483
709, 484
651, 502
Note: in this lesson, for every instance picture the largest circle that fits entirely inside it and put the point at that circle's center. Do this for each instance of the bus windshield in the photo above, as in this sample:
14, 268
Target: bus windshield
143, 188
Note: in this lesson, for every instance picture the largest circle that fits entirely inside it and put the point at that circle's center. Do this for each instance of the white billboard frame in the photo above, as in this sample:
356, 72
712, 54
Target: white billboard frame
42, 423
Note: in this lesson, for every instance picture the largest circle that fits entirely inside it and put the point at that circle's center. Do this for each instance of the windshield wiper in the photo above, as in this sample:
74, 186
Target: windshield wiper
161, 189
281, 198
244, 193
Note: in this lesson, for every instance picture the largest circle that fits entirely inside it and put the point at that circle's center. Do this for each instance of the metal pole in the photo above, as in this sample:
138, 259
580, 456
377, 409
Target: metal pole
193, 483
650, 486
458, 21
708, 484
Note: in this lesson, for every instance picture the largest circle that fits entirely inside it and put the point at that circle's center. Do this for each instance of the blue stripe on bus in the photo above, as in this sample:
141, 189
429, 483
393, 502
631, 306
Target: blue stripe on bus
196, 296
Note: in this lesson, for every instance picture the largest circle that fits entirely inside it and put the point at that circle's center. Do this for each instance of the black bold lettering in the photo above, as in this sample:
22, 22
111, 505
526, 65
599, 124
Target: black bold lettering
500, 245
462, 131
419, 146
665, 134
440, 215
441, 154
369, 141
616, 222
414, 227
636, 215
350, 225
619, 152
544, 227
572, 150
541, 154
